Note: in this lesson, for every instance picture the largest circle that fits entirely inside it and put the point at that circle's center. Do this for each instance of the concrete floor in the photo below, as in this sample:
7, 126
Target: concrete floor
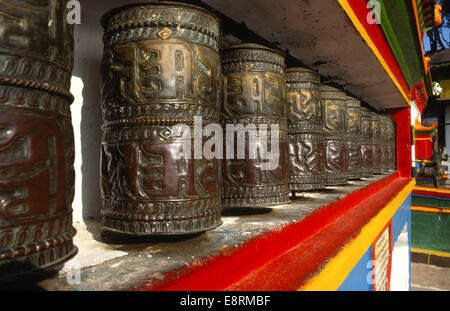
426, 277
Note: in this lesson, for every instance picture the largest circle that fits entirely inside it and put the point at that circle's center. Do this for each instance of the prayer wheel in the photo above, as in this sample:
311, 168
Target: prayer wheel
36, 138
335, 140
392, 152
161, 83
376, 142
354, 139
384, 143
255, 110
305, 128
367, 145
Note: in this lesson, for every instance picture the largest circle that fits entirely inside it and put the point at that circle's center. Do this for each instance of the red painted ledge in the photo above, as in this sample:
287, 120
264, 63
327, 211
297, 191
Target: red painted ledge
286, 258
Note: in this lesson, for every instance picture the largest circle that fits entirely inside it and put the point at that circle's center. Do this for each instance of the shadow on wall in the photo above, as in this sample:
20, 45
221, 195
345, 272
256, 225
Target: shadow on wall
88, 55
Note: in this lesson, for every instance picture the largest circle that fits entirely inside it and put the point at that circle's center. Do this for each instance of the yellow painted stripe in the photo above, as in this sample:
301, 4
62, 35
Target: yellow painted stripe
440, 190
428, 138
427, 209
348, 9
337, 269
429, 252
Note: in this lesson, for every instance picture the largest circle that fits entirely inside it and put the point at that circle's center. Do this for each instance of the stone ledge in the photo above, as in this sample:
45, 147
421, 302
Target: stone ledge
113, 262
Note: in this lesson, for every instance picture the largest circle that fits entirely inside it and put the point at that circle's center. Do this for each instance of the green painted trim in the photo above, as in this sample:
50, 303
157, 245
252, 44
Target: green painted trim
395, 45
431, 202
399, 26
430, 182
426, 132
430, 231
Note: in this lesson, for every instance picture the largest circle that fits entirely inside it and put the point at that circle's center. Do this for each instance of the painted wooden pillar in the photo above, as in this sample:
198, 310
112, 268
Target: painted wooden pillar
402, 117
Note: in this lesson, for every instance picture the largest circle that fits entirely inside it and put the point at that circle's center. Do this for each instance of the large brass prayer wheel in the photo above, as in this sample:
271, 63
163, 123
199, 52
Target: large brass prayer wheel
354, 139
367, 145
256, 98
376, 142
335, 140
305, 127
36, 137
161, 69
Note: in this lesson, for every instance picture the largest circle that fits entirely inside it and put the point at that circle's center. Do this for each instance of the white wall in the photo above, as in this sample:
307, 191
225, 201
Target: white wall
400, 272
415, 114
86, 109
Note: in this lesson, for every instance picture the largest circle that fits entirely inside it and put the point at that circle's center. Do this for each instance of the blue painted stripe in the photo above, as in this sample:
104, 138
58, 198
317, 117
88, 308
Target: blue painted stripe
401, 217
360, 278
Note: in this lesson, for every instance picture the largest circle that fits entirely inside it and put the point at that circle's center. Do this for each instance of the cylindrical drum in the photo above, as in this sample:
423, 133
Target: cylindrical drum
335, 140
36, 137
160, 72
354, 139
392, 152
366, 146
305, 130
384, 123
376, 142
255, 169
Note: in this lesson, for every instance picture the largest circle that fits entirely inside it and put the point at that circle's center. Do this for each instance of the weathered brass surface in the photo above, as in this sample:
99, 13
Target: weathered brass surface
36, 137
367, 145
376, 141
335, 140
354, 139
392, 151
385, 158
306, 151
256, 94
161, 67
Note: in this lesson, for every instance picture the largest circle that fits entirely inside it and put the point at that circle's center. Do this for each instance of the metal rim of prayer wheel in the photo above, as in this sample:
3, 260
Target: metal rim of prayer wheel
36, 139
256, 94
305, 126
367, 146
161, 68
335, 138
376, 141
355, 139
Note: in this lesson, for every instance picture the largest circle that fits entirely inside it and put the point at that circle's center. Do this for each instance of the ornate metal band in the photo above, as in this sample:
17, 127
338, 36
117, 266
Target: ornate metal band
161, 111
305, 128
26, 248
282, 123
302, 78
161, 21
27, 69
336, 179
20, 97
46, 230
46, 258
38, 246
255, 196
252, 58
163, 217
33, 84
307, 182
